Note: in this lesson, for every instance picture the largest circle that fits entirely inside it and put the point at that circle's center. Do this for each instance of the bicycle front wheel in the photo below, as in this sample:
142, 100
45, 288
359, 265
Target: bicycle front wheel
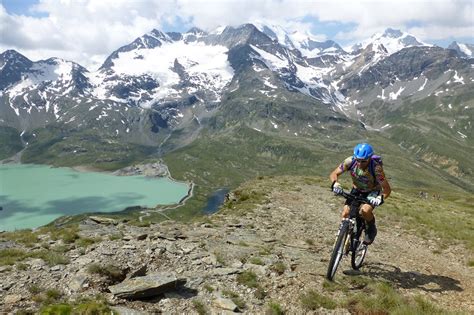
358, 255
338, 250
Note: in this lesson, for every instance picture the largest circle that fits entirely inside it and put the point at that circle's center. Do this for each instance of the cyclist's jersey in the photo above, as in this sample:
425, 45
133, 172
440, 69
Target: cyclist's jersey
363, 180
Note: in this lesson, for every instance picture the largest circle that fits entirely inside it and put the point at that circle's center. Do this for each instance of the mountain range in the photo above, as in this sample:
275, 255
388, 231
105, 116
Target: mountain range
164, 93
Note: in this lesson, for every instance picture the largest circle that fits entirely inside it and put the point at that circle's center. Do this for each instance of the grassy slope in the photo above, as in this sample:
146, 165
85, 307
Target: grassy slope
62, 147
10, 142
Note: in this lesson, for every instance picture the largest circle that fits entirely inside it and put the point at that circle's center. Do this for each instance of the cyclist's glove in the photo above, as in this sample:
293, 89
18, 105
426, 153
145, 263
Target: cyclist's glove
375, 200
336, 188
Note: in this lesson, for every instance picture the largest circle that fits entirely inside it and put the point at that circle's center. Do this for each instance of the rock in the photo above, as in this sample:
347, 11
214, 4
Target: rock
129, 246
4, 268
6, 286
210, 260
103, 220
225, 304
187, 248
147, 286
78, 282
237, 264
56, 268
224, 271
138, 272
127, 311
141, 237
235, 225
12, 299
259, 270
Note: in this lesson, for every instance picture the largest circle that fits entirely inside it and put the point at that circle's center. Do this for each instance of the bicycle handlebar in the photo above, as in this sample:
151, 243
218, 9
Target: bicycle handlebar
354, 197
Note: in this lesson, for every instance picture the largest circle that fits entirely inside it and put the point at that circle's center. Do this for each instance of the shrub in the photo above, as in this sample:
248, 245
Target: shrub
274, 309
200, 307
279, 267
111, 272
248, 278
256, 261
312, 300
10, 256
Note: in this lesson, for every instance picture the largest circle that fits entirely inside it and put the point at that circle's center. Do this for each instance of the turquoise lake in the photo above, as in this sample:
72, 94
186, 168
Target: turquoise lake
34, 195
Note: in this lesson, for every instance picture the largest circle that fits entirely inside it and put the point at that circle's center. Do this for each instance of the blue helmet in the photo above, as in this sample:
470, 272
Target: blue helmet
363, 151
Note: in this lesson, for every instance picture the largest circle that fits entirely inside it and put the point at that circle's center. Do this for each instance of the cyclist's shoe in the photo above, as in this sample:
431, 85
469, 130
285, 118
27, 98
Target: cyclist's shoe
370, 233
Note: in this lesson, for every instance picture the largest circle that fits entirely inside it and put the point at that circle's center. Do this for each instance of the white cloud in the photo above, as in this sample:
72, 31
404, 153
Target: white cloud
87, 31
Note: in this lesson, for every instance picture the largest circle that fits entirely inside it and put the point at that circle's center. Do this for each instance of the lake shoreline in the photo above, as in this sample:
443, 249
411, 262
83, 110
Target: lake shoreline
156, 171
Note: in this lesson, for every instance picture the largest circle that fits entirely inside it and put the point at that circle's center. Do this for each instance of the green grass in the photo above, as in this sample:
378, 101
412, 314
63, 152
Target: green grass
10, 142
91, 306
312, 300
199, 307
25, 237
256, 261
111, 272
450, 219
382, 298
274, 308
59, 146
248, 278
10, 256
279, 267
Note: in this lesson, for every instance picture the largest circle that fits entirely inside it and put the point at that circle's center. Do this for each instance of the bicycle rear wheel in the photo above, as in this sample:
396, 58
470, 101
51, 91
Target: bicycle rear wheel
338, 250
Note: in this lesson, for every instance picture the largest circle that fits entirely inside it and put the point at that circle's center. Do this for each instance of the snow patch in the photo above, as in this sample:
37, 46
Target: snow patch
458, 79
423, 86
394, 96
382, 96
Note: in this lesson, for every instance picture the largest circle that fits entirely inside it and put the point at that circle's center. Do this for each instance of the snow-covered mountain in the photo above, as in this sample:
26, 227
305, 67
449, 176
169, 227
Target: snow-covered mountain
176, 80
389, 42
464, 50
303, 41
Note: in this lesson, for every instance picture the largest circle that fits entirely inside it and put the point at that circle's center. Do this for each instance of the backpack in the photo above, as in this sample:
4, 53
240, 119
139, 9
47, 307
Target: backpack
374, 161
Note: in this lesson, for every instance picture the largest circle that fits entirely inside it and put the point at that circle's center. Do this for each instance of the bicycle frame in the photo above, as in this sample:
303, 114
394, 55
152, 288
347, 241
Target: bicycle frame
351, 229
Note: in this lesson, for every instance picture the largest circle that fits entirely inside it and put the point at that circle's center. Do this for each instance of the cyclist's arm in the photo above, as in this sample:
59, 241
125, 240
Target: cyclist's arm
382, 179
386, 189
335, 174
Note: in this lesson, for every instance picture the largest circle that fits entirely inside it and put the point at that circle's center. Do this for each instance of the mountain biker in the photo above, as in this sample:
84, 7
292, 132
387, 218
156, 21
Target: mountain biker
368, 181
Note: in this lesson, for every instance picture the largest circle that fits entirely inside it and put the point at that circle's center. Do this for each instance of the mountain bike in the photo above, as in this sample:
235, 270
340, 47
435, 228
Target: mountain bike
349, 237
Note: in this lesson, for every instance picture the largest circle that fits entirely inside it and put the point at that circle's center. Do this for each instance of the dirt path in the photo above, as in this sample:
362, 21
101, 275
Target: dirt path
406, 261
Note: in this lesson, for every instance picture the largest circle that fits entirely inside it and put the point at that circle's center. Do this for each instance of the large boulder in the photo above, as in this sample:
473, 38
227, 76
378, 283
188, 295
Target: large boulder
146, 286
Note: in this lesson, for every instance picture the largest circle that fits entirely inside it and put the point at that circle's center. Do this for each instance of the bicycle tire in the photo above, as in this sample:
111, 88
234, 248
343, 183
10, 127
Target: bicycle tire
338, 250
358, 255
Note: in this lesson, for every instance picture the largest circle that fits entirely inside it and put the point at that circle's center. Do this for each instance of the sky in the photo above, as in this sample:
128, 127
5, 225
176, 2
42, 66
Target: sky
87, 31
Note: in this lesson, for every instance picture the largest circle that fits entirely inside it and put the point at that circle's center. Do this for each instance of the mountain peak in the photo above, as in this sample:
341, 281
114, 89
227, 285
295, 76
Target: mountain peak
392, 33
463, 50
196, 31
12, 54
393, 40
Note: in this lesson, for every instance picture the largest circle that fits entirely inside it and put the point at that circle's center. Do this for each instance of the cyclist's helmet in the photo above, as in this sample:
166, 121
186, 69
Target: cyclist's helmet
363, 151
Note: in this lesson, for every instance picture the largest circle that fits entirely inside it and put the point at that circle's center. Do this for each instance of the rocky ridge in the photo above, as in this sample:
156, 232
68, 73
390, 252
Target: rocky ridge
242, 259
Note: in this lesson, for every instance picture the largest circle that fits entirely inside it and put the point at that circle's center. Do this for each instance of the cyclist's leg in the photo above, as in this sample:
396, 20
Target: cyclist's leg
345, 211
366, 210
